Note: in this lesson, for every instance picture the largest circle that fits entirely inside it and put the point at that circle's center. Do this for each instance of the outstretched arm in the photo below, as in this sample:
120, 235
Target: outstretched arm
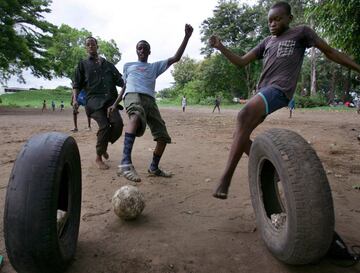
336, 55
215, 42
188, 31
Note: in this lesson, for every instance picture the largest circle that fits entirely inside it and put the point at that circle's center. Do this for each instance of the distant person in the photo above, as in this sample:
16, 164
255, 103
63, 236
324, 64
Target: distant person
140, 104
99, 78
81, 100
217, 104
183, 103
357, 104
43, 106
53, 105
282, 53
62, 105
291, 106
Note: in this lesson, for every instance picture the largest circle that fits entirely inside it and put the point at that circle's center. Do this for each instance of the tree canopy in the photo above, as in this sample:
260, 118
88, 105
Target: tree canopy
28, 41
241, 27
67, 48
339, 21
24, 37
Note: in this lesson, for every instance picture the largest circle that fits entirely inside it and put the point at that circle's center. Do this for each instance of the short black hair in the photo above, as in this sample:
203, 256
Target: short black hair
143, 42
91, 37
284, 5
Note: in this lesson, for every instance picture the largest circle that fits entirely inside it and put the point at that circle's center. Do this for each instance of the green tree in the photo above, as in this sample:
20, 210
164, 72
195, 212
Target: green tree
220, 77
184, 71
236, 25
338, 21
240, 27
109, 50
68, 48
24, 36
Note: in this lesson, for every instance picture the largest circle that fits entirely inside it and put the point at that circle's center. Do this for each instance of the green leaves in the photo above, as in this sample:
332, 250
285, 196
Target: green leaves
27, 41
339, 21
68, 48
23, 38
236, 25
184, 71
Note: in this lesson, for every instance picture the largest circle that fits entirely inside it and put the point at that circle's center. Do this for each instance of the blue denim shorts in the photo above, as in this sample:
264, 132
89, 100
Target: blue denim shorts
274, 99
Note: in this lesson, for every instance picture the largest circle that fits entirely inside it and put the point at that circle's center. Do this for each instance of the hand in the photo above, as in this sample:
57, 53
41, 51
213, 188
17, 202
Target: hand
110, 109
188, 30
214, 41
75, 104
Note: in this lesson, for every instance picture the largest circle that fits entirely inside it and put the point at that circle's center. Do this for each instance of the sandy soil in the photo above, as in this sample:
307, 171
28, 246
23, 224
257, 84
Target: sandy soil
183, 228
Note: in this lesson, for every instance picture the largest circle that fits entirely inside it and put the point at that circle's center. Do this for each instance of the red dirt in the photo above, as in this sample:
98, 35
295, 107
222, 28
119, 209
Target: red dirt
183, 228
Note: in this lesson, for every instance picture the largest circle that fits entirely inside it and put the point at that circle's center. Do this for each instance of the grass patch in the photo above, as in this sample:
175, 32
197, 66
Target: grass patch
339, 108
35, 98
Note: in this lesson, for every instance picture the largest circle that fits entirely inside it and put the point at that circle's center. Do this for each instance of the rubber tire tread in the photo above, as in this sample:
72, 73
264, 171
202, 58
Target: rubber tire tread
32, 200
309, 227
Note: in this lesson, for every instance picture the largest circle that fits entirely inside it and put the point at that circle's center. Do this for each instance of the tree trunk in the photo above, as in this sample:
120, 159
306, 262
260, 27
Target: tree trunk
313, 88
347, 86
250, 84
332, 83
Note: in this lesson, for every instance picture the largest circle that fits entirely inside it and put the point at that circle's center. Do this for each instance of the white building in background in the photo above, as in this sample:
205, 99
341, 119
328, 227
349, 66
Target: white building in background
5, 89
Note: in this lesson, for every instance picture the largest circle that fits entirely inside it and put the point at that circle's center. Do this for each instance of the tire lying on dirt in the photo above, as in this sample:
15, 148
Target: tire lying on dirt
45, 185
291, 197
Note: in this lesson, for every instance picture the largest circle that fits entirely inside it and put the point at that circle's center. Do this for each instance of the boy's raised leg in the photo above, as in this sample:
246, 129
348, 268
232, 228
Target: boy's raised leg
248, 119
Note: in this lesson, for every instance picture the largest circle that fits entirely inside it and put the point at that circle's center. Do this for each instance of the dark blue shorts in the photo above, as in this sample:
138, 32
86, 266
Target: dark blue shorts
274, 99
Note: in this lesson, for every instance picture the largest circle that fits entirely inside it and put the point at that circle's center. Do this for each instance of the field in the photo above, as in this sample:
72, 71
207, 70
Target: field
183, 228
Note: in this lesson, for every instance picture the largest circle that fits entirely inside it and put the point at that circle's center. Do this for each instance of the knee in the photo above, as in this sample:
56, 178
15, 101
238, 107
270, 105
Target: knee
104, 127
248, 119
135, 119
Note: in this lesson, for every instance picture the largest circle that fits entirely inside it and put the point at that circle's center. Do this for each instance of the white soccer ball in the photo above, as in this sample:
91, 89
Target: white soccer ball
128, 202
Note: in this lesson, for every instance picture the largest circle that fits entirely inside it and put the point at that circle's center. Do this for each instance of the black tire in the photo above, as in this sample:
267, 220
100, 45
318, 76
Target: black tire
46, 177
287, 182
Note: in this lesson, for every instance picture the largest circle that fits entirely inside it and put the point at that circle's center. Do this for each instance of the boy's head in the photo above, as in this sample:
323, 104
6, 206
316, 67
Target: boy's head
279, 18
91, 45
143, 50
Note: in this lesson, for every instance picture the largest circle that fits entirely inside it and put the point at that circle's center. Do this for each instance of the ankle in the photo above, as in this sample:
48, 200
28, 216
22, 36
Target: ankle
153, 167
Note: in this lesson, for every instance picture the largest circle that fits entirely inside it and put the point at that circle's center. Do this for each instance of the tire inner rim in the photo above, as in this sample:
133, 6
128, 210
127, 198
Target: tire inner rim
273, 197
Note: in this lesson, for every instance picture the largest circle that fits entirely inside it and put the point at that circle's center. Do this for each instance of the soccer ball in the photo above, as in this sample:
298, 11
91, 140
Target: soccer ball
128, 202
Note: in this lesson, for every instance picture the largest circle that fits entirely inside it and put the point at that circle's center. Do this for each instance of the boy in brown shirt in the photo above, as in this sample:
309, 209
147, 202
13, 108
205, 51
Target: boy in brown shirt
282, 55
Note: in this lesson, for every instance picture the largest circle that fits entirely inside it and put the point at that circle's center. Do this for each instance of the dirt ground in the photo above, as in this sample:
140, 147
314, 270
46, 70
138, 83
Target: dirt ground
183, 228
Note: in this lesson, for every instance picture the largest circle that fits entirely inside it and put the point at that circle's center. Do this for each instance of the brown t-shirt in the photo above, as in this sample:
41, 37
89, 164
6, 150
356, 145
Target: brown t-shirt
282, 58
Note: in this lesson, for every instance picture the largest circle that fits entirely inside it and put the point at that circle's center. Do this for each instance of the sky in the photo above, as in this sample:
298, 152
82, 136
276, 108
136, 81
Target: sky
160, 22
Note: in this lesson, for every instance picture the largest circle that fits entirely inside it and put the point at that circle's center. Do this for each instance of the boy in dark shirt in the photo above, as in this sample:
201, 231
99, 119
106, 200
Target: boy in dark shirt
282, 55
99, 78
217, 104
43, 106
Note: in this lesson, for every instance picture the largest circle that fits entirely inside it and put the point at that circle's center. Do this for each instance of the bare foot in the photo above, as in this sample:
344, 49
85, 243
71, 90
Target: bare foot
101, 165
106, 155
221, 191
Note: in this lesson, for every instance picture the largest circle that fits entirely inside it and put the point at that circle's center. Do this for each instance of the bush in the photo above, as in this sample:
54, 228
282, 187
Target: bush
309, 102
207, 101
63, 87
